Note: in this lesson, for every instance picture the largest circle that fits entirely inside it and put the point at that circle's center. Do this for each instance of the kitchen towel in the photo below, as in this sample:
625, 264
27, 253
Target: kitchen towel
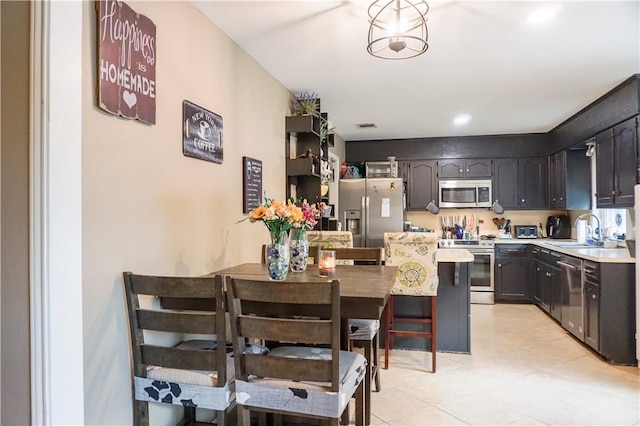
581, 231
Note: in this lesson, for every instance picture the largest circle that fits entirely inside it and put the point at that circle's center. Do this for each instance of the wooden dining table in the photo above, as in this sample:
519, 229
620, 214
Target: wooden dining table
364, 289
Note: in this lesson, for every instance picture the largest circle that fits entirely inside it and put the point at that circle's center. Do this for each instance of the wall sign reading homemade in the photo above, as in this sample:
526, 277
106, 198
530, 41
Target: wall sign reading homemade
202, 133
126, 62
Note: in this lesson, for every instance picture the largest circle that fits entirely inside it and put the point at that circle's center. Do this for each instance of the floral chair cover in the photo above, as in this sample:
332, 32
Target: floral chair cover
331, 239
414, 253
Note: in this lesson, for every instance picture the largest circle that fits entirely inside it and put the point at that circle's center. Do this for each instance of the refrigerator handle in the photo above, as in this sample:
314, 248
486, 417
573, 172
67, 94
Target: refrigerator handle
366, 221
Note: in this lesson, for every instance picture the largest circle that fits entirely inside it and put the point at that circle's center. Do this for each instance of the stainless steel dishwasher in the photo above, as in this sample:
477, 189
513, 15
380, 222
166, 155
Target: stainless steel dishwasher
571, 279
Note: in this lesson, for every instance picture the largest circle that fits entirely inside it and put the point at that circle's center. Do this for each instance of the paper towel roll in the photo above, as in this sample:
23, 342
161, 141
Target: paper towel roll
581, 231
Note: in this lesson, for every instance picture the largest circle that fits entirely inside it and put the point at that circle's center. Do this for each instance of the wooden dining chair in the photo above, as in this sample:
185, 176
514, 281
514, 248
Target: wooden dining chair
305, 373
190, 373
363, 333
414, 253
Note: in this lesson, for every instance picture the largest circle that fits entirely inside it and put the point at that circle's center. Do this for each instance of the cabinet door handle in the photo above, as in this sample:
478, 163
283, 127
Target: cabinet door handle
593, 296
613, 192
467, 170
523, 200
554, 200
499, 265
461, 170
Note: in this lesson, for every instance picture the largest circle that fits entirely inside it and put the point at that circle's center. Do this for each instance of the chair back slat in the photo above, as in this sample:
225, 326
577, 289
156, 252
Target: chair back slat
248, 320
309, 331
283, 292
289, 368
179, 358
177, 322
174, 286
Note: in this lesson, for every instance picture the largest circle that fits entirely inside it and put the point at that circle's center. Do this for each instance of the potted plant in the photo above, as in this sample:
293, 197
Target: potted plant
306, 117
306, 104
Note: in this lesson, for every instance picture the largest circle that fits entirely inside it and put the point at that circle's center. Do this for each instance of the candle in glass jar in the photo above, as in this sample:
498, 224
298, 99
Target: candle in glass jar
327, 263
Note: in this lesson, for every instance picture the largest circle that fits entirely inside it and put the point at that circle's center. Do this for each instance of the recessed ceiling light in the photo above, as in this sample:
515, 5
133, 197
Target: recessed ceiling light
543, 15
461, 119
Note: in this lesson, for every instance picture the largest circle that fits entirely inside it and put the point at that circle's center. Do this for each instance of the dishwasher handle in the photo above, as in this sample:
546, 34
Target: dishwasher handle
568, 265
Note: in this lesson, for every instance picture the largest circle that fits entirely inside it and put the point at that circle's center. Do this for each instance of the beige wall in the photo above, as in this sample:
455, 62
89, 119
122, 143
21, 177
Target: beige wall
151, 210
14, 232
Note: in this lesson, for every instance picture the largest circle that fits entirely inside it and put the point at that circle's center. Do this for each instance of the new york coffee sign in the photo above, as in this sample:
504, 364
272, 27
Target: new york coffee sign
126, 62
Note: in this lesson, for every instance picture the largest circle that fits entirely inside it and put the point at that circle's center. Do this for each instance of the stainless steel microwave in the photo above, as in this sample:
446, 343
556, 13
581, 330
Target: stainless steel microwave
381, 169
464, 193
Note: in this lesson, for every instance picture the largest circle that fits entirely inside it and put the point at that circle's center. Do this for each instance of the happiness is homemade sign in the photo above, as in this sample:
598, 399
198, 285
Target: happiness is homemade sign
126, 62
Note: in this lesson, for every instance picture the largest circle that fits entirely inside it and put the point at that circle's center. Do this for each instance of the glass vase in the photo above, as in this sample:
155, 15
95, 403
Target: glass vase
278, 255
299, 249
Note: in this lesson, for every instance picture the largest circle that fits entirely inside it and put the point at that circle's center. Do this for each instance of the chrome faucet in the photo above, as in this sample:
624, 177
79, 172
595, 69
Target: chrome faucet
599, 228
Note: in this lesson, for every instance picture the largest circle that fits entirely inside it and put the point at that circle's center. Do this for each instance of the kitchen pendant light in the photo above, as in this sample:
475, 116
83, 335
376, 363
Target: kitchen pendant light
398, 28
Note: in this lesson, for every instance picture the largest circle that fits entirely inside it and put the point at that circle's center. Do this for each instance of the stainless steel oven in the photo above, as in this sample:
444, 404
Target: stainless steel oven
480, 270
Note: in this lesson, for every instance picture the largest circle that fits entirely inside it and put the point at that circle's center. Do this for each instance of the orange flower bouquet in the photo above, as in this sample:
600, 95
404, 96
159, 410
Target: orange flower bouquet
278, 218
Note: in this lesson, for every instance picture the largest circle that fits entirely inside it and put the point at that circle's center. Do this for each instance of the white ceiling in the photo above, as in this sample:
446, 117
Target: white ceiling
484, 59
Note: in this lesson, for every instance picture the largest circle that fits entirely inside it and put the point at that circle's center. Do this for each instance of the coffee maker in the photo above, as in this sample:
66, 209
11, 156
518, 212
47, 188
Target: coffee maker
559, 226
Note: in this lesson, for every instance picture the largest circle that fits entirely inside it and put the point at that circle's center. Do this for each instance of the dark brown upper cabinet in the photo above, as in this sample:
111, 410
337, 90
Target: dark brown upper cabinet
520, 184
616, 165
422, 185
570, 180
460, 168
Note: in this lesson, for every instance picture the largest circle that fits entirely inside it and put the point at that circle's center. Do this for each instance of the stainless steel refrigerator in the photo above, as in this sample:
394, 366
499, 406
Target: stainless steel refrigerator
369, 208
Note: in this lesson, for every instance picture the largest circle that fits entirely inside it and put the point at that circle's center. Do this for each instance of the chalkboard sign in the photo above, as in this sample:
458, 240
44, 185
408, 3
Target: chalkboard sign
251, 183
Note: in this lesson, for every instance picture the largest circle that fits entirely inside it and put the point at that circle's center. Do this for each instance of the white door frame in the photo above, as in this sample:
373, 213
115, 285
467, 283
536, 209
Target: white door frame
57, 385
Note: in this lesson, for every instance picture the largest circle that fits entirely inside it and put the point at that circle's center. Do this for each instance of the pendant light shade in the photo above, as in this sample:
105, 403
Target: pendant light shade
398, 28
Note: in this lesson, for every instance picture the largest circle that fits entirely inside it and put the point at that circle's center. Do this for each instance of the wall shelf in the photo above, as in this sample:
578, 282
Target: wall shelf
303, 167
303, 124
309, 151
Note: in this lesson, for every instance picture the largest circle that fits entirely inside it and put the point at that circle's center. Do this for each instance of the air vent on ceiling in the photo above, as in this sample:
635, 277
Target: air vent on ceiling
366, 125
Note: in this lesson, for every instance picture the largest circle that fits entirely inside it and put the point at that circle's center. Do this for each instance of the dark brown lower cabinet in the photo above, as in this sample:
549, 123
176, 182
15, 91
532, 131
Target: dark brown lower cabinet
610, 311
555, 287
512, 273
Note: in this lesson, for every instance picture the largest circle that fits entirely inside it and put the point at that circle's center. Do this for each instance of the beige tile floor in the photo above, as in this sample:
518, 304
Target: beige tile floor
524, 369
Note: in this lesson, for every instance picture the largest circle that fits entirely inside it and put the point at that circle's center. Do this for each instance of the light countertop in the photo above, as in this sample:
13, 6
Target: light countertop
602, 255
454, 255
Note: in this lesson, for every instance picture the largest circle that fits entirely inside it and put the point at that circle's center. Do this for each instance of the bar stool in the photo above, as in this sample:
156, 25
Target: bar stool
414, 253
